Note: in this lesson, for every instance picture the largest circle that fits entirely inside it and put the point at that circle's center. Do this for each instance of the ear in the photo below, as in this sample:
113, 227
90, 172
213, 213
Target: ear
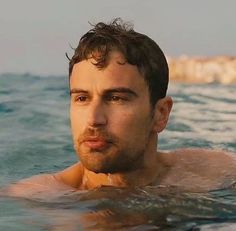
161, 114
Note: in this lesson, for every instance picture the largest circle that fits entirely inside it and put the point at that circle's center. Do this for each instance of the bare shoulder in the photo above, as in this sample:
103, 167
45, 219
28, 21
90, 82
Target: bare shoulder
203, 154
42, 185
205, 160
200, 169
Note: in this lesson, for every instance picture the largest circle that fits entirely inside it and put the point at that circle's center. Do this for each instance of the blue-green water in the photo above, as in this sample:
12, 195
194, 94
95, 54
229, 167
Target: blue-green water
35, 138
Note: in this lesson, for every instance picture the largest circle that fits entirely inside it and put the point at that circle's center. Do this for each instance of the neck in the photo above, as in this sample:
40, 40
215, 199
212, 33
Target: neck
145, 172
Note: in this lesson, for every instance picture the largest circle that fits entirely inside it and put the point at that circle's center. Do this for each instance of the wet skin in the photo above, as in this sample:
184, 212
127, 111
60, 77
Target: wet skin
120, 147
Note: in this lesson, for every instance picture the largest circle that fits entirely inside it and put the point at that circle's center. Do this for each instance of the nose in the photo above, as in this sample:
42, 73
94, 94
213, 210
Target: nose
96, 114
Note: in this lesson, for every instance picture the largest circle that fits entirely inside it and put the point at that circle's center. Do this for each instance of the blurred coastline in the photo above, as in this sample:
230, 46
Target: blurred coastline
184, 69
193, 69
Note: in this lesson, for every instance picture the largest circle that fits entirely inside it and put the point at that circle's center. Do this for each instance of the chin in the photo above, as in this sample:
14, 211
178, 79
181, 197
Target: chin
106, 162
96, 169
106, 168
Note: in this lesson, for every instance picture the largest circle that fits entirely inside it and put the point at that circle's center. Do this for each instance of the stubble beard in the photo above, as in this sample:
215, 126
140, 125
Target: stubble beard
117, 162
113, 159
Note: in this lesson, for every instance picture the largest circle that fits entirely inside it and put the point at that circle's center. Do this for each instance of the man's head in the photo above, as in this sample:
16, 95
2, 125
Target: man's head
137, 49
114, 121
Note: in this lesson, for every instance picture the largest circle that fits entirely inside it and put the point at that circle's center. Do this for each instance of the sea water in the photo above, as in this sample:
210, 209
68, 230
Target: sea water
35, 138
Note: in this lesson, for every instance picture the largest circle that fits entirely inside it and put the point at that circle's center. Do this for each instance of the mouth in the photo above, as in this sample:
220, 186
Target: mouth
96, 143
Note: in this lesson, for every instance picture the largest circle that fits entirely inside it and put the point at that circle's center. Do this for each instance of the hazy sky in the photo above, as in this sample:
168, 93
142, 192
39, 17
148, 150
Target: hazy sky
34, 35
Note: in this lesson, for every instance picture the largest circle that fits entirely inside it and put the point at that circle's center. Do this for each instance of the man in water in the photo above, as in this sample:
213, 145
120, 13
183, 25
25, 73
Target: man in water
118, 83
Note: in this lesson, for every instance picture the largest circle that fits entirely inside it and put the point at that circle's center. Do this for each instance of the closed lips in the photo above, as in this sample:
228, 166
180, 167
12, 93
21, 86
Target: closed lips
96, 142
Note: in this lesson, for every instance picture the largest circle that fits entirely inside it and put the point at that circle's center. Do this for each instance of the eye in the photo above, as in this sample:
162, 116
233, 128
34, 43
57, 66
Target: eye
81, 98
115, 98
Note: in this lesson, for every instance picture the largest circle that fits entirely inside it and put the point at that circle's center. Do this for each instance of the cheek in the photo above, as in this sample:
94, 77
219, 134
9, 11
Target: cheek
121, 119
76, 120
131, 123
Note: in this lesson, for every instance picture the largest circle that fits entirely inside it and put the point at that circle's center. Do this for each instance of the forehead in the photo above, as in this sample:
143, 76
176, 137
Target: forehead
118, 73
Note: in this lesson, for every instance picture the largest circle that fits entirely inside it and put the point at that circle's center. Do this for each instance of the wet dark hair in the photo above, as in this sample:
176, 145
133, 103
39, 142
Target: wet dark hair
137, 49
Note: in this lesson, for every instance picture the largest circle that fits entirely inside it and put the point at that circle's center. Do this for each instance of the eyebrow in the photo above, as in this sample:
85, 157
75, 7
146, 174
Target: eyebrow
77, 90
107, 91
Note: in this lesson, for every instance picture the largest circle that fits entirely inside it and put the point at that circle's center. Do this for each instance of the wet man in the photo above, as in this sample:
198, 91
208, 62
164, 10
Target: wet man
118, 83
